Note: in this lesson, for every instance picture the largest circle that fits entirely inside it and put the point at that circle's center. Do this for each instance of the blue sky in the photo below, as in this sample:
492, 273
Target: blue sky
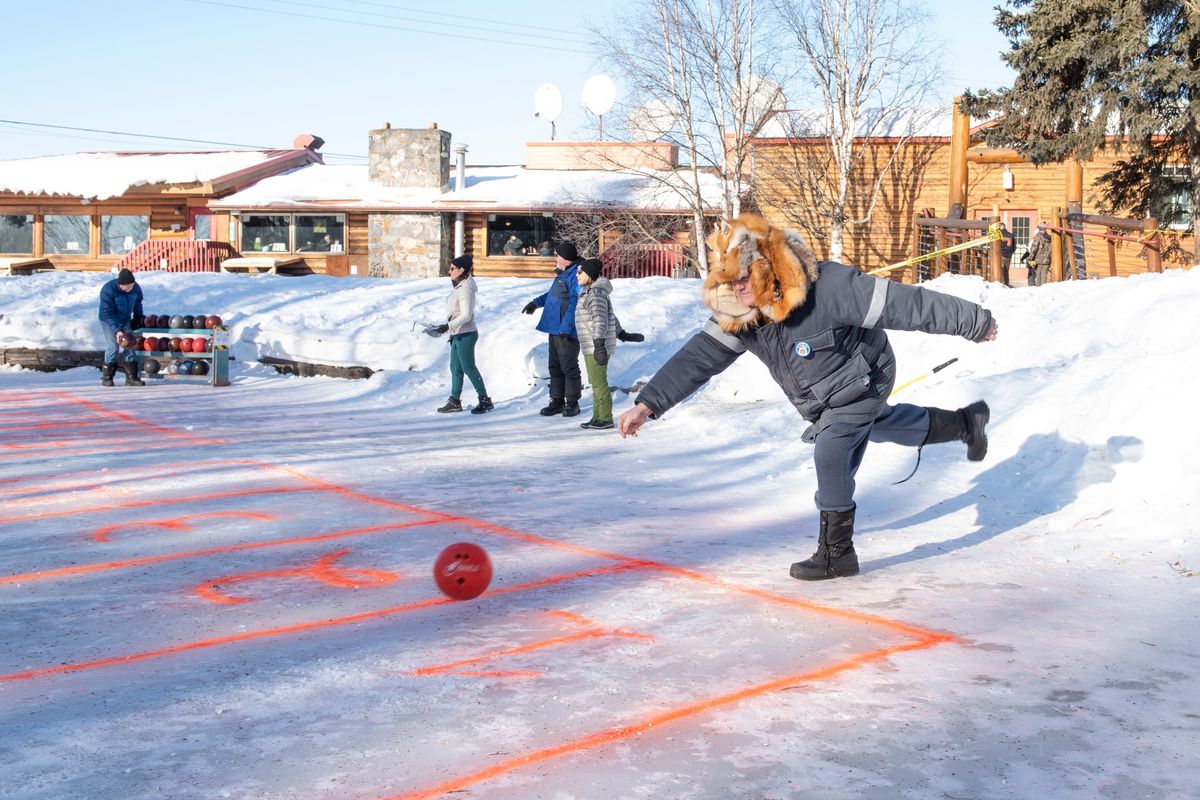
258, 72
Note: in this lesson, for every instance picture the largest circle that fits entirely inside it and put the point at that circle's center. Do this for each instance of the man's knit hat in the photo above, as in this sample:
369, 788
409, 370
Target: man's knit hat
566, 250
125, 277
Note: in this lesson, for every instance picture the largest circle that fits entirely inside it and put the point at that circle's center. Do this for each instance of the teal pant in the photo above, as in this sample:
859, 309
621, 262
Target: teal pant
462, 362
601, 394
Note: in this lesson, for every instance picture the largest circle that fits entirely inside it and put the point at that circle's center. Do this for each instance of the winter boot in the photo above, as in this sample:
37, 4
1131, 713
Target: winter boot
571, 408
964, 425
555, 407
835, 556
130, 367
106, 374
483, 406
597, 425
452, 405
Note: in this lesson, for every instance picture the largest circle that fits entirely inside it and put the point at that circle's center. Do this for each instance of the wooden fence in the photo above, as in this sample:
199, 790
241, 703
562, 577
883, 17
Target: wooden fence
644, 261
177, 255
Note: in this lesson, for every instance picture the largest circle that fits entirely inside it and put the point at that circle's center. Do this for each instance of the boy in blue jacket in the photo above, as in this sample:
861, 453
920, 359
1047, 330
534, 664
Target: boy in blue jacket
120, 314
558, 321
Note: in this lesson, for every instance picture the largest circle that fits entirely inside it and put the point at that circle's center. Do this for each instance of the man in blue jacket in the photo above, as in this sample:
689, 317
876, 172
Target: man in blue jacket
120, 314
558, 321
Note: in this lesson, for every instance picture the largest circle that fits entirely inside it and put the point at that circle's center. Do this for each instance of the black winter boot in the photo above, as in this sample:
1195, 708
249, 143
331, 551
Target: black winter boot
452, 405
571, 408
483, 406
964, 425
555, 407
106, 374
130, 367
835, 556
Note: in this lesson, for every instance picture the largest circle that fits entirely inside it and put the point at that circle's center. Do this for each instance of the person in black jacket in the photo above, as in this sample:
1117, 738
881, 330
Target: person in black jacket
827, 349
120, 314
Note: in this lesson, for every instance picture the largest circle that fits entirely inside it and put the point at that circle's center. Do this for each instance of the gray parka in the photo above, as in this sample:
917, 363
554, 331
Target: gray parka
831, 355
594, 317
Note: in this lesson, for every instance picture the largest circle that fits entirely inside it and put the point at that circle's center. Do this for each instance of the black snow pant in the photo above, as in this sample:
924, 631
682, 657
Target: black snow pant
565, 381
840, 448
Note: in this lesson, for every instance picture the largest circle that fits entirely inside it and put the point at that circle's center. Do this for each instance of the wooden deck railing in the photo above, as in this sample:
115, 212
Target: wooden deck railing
644, 261
177, 255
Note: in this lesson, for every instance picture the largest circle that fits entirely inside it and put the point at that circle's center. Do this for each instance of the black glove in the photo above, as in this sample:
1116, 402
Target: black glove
600, 353
626, 336
138, 322
529, 308
437, 330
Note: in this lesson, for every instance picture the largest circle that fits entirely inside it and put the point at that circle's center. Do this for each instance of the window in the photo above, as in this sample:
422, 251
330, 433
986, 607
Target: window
322, 234
512, 235
265, 233
202, 226
1173, 205
120, 234
16, 233
67, 235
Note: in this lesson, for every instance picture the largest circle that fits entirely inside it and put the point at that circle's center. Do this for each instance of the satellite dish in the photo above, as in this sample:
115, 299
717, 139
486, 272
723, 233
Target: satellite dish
548, 104
651, 120
762, 96
599, 94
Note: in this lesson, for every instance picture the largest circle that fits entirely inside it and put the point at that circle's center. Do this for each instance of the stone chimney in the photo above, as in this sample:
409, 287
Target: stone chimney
409, 157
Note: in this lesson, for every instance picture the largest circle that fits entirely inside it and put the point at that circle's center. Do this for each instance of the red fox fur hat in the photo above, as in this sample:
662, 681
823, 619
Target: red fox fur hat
779, 264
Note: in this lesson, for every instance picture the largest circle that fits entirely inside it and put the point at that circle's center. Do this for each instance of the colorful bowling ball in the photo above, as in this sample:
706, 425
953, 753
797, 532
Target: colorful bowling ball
164, 344
149, 343
198, 322
176, 321
200, 368
173, 344
185, 344
462, 571
189, 322
149, 321
173, 367
150, 366
212, 322
185, 367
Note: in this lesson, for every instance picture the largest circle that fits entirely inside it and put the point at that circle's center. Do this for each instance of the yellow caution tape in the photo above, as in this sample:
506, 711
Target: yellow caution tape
992, 235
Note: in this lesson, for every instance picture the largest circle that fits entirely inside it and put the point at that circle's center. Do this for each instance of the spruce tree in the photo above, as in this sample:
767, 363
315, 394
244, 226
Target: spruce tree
1103, 73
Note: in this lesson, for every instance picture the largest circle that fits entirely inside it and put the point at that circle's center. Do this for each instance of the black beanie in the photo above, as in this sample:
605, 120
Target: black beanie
125, 277
566, 250
463, 262
593, 267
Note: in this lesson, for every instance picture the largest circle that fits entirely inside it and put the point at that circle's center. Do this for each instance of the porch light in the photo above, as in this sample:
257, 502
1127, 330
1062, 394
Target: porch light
1008, 179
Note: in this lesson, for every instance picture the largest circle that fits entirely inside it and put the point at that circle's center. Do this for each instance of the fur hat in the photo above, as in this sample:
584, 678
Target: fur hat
125, 277
566, 250
592, 266
777, 261
463, 262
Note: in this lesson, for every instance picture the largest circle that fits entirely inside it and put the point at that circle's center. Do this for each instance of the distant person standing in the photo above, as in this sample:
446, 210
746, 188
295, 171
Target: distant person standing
1008, 246
513, 245
1037, 257
464, 334
120, 314
558, 322
598, 328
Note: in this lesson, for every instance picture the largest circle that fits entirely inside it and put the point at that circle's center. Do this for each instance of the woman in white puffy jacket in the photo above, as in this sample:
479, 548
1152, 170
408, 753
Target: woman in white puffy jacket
460, 315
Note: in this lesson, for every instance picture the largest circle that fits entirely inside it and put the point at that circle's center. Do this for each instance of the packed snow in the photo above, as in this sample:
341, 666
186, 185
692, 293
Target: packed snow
227, 592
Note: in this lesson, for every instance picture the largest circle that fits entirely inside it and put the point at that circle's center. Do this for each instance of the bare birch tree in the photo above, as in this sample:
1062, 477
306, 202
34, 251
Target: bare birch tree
871, 68
694, 59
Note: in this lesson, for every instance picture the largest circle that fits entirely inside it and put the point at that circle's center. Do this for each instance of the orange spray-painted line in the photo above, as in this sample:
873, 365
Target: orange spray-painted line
42, 426
157, 502
175, 523
132, 420
322, 570
544, 644
622, 732
80, 666
61, 444
61, 572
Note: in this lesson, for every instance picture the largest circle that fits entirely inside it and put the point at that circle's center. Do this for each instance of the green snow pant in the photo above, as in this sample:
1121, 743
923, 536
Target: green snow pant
462, 362
601, 394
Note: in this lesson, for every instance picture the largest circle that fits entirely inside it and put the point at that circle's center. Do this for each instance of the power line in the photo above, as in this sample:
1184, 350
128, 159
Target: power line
376, 25
153, 136
457, 16
456, 25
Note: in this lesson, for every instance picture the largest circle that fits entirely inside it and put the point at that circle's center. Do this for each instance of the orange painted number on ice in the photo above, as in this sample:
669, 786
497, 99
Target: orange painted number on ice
323, 570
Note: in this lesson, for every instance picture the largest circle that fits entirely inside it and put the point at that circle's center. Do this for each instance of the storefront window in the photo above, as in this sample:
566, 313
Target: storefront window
1172, 206
265, 233
321, 234
512, 235
67, 235
16, 233
120, 234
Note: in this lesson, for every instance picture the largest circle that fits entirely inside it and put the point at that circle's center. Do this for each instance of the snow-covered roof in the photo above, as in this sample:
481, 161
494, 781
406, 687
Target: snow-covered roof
487, 188
875, 123
104, 175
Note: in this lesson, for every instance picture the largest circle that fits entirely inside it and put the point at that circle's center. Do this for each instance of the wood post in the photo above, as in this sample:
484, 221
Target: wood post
1153, 245
1056, 247
960, 135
